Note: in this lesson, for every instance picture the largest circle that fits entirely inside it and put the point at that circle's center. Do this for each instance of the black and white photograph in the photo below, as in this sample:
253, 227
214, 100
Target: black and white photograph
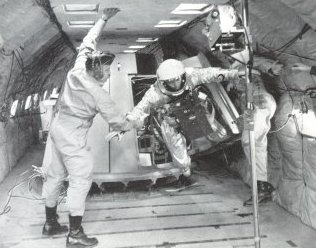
158, 123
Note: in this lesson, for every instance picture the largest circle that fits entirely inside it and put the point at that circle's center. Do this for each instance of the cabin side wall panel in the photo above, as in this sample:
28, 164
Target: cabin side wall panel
34, 58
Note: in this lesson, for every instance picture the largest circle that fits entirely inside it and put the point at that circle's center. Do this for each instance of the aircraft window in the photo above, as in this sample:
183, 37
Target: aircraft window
45, 94
14, 108
54, 94
20, 107
35, 100
28, 102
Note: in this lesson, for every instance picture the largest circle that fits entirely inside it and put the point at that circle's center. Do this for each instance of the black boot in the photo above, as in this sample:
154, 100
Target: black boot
76, 237
264, 193
184, 181
51, 226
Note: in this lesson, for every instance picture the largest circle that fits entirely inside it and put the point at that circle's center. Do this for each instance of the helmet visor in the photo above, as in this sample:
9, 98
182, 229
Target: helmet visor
173, 85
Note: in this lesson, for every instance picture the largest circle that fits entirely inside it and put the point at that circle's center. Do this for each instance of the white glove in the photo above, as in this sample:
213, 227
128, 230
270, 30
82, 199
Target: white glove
113, 134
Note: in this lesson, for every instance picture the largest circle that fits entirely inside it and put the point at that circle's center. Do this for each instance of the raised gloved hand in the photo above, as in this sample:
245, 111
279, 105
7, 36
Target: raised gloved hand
276, 68
109, 13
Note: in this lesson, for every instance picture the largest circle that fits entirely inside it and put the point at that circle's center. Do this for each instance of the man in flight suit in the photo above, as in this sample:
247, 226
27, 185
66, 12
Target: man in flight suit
264, 107
82, 99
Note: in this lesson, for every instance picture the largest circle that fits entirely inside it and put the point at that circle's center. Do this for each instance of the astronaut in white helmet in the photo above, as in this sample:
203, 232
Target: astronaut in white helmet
173, 79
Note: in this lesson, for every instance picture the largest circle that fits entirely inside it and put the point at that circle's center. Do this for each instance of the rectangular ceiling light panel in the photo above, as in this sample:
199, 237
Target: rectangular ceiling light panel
170, 23
130, 51
191, 9
81, 8
81, 24
146, 40
136, 47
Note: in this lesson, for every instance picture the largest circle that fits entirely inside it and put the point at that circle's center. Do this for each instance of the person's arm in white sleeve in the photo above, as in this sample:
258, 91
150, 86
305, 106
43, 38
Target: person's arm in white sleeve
89, 42
106, 107
150, 100
211, 74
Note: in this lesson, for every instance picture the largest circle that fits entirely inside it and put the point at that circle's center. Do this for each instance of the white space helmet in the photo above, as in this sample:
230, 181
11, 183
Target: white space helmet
168, 72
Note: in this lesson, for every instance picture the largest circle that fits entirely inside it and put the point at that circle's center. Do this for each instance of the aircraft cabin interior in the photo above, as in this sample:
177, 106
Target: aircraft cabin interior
158, 124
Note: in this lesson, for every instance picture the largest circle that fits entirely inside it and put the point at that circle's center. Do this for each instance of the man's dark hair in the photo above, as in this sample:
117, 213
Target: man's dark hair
97, 59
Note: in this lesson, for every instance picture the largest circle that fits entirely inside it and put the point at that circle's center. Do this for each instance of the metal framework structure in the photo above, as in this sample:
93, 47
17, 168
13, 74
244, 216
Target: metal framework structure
251, 124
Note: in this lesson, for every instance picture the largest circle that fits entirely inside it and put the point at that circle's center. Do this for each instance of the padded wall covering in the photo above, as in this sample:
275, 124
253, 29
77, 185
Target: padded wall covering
273, 24
33, 57
296, 188
305, 9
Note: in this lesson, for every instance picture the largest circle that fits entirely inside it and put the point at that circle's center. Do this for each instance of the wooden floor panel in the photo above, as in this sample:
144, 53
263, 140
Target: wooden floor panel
209, 215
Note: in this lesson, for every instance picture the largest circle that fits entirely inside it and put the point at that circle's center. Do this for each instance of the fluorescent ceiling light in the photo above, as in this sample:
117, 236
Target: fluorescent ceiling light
170, 23
191, 9
146, 39
136, 47
130, 51
80, 24
81, 8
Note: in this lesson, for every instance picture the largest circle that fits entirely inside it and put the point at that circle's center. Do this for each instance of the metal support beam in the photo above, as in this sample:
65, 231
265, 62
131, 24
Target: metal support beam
251, 125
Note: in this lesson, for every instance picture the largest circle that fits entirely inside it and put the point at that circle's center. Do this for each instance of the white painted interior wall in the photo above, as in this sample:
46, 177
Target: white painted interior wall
122, 156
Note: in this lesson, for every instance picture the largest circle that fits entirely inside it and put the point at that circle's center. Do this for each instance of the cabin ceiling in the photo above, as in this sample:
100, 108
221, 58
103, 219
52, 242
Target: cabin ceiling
273, 23
29, 35
137, 19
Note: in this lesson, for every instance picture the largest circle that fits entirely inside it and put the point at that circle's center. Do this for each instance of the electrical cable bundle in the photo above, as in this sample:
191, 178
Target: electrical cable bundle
36, 176
24, 177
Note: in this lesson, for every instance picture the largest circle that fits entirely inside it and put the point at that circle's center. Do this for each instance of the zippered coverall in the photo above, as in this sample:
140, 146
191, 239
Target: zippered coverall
154, 98
81, 100
264, 109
